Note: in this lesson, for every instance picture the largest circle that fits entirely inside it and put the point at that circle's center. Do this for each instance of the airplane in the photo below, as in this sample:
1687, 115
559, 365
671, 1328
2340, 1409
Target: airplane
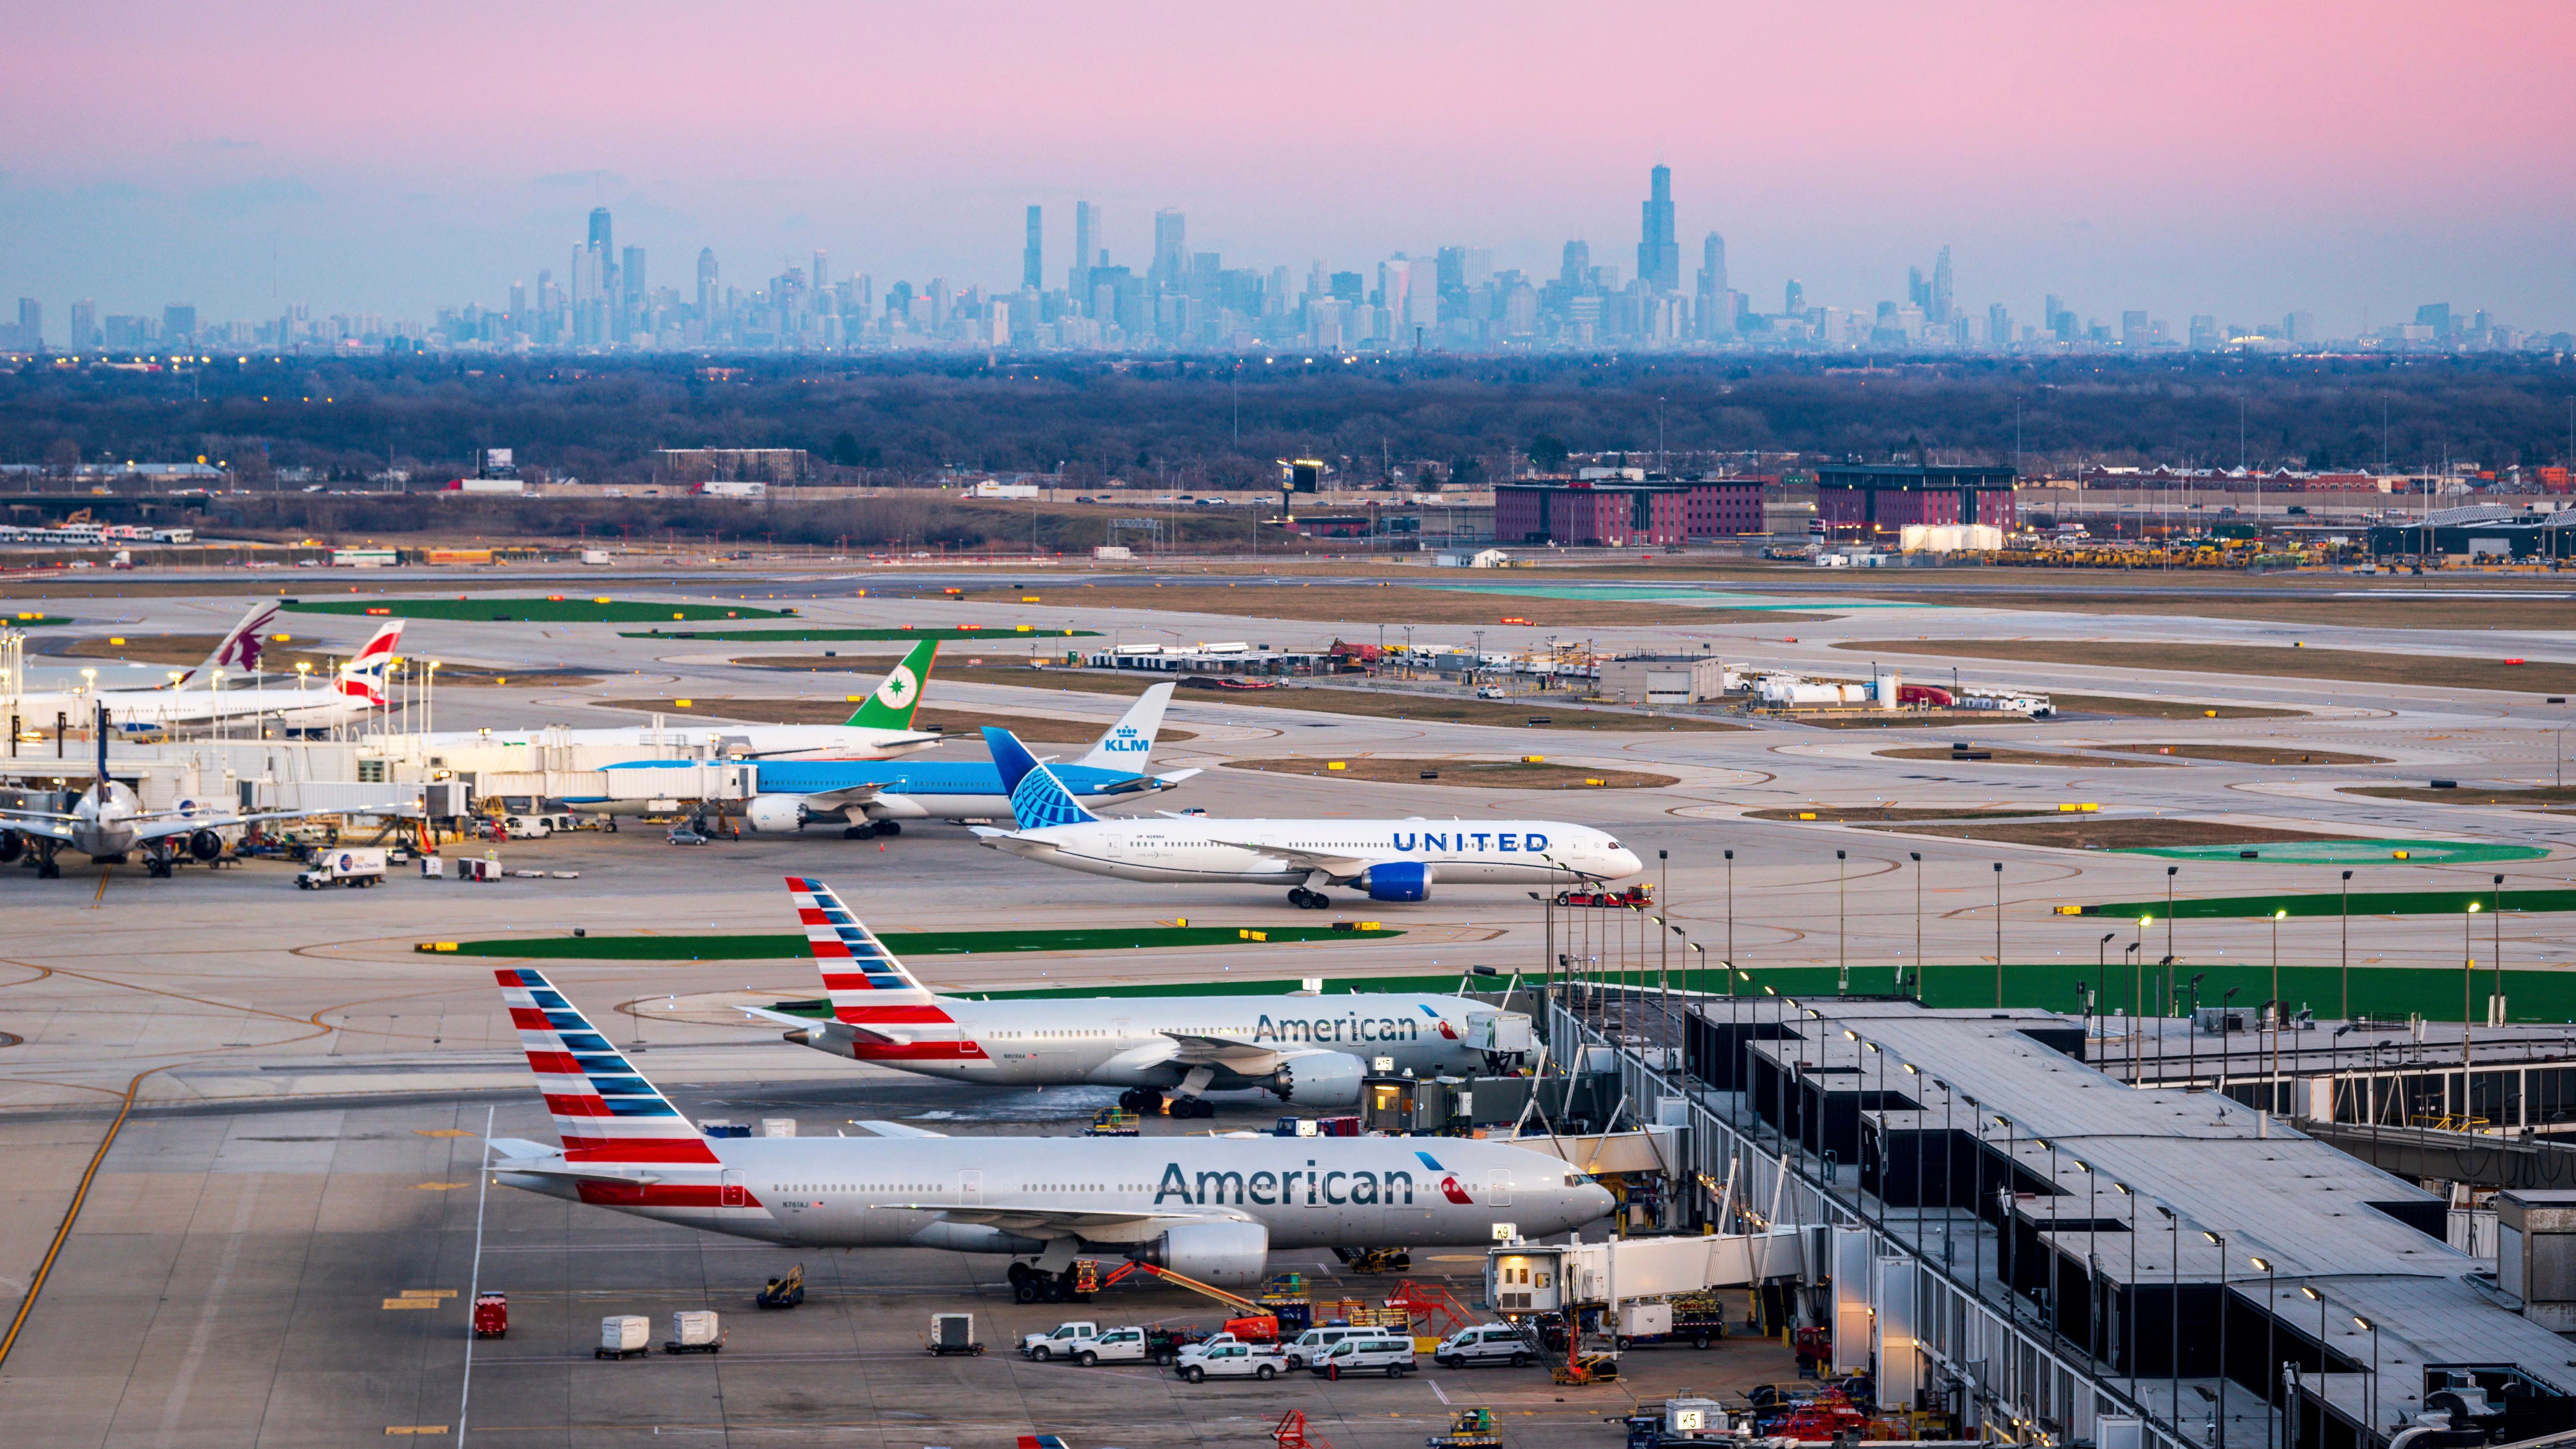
880, 728
188, 698
1390, 860
1311, 1050
357, 688
109, 822
1212, 1208
870, 799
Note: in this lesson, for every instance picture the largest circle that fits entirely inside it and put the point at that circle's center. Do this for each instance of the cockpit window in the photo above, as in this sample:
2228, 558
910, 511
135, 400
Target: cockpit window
1614, 845
1574, 1179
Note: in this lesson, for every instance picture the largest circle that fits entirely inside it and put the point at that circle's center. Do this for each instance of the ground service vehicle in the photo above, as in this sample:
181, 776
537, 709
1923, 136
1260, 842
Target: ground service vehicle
1483, 1343
784, 1292
1229, 1359
350, 866
491, 1315
1376, 1352
1635, 895
953, 1333
1111, 1345
1315, 1342
1056, 1342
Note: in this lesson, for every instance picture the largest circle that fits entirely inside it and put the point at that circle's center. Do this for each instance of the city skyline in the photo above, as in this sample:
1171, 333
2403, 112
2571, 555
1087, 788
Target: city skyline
2350, 163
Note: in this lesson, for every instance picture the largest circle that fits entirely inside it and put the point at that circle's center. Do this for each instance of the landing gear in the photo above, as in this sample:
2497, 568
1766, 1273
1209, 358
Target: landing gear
889, 827
47, 868
1036, 1285
156, 863
1143, 1101
1305, 899
1193, 1107
859, 832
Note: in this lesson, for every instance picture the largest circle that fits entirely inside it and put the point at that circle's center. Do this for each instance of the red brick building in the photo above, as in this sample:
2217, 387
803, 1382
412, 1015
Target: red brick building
1622, 514
1871, 499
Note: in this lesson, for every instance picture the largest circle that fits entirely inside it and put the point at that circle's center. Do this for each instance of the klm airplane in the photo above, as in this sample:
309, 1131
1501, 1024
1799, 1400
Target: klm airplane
874, 797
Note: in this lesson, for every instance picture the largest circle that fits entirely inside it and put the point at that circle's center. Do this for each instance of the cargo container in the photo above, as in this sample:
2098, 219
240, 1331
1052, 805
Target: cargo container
695, 1332
627, 1335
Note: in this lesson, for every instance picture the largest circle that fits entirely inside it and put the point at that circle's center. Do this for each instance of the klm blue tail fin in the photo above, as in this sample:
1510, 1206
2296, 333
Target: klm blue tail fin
1038, 798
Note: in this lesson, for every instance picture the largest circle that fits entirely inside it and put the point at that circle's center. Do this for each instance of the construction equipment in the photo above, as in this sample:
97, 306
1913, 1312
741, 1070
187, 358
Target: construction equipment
1468, 1429
784, 1292
1254, 1323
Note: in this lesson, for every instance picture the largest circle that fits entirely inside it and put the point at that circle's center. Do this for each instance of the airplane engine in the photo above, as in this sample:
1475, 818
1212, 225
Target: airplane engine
1320, 1079
1229, 1255
1405, 880
12, 845
205, 844
775, 814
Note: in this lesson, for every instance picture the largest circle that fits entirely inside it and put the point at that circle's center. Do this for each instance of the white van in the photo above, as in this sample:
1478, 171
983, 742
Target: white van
1376, 1351
1312, 1344
1483, 1343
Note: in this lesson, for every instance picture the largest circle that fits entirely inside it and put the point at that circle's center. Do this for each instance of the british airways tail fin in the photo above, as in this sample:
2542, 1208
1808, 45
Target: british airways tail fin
1038, 798
1130, 742
237, 652
867, 985
363, 677
603, 1108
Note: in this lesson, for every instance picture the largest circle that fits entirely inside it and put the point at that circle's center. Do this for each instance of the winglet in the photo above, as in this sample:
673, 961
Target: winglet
603, 1108
1131, 741
899, 693
1038, 798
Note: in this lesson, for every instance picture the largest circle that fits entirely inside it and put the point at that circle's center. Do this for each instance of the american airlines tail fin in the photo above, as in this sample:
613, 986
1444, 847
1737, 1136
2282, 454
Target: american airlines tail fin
1038, 798
1130, 742
363, 677
899, 693
237, 652
604, 1110
864, 981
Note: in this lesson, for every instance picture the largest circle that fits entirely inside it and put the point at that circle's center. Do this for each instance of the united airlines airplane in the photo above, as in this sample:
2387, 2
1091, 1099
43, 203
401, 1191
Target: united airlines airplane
1310, 1050
1212, 1208
1390, 860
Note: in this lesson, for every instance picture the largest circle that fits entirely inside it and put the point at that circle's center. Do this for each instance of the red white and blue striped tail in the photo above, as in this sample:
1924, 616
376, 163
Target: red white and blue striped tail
864, 981
363, 677
604, 1109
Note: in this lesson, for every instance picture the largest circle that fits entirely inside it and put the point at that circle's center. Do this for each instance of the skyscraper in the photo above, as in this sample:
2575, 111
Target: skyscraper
707, 285
1659, 258
599, 231
1940, 311
822, 270
1086, 247
1793, 299
1033, 255
1576, 269
630, 274
31, 323
84, 323
1171, 265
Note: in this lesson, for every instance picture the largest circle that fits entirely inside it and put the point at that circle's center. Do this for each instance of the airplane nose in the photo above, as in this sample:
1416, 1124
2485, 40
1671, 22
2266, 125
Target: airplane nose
1598, 1200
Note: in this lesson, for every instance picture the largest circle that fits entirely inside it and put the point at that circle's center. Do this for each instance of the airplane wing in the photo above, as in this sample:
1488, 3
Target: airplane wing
152, 828
898, 1129
30, 822
825, 1025
1250, 1058
1099, 1225
1339, 867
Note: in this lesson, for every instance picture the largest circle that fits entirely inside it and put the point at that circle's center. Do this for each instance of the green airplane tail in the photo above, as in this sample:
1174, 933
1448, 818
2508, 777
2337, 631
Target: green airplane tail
899, 693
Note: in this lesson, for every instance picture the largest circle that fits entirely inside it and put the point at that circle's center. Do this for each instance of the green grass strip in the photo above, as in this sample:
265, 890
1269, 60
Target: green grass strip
2349, 852
2386, 991
2330, 903
566, 610
903, 943
33, 621
830, 636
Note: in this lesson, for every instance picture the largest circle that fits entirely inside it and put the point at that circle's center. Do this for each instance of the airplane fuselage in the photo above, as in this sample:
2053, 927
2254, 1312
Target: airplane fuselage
1121, 1042
1307, 1191
1458, 852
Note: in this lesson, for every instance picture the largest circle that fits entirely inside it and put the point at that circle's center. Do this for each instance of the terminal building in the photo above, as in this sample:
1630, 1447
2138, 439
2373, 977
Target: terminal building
2008, 1235
1870, 501
1627, 512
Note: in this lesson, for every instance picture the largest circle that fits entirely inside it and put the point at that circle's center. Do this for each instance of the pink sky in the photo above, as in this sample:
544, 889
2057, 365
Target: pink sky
2243, 159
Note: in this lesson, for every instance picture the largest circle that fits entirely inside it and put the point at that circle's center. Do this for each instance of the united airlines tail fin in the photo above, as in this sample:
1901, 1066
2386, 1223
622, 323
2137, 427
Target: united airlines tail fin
865, 982
1130, 742
604, 1110
98, 731
363, 677
899, 693
1038, 798
237, 652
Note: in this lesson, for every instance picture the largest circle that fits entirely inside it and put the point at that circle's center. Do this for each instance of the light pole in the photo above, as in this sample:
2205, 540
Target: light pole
1917, 857
1730, 909
2170, 872
2370, 1395
2344, 919
2101, 969
2468, 976
2219, 1241
1999, 935
2271, 1340
2496, 1006
1842, 950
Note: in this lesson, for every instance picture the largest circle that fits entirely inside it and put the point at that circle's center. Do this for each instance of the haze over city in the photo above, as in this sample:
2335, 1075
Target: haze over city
2351, 162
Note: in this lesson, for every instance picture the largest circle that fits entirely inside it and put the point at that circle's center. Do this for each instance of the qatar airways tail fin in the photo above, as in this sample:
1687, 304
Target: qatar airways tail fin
237, 652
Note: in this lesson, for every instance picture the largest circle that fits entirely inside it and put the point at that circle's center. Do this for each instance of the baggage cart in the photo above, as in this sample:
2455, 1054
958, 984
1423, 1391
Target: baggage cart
628, 1335
695, 1332
953, 1333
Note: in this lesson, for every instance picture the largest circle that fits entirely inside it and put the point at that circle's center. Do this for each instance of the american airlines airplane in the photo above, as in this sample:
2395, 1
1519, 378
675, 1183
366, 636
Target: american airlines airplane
1391, 860
880, 728
1212, 1208
109, 822
1310, 1050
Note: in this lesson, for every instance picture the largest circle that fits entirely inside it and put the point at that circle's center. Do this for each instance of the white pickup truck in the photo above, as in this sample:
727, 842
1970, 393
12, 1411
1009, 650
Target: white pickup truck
1057, 1342
1109, 1345
1231, 1359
